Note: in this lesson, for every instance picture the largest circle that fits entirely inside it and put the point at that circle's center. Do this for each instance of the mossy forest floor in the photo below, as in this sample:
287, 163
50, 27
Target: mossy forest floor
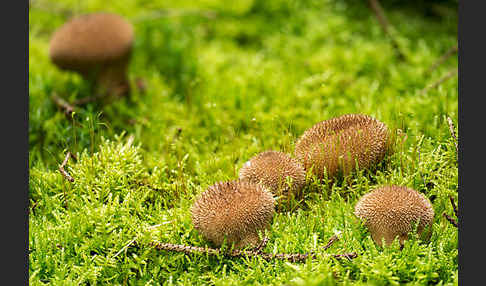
225, 80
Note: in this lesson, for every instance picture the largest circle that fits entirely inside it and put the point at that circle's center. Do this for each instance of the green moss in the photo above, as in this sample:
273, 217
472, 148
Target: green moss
222, 86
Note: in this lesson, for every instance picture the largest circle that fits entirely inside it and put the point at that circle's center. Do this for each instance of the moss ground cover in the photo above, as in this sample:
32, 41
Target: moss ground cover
223, 82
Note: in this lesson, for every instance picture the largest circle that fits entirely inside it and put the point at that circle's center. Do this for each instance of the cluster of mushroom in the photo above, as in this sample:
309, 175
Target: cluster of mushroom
98, 46
238, 210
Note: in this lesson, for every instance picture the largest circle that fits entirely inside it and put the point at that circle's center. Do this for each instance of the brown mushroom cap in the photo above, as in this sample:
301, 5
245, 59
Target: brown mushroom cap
89, 41
392, 211
337, 144
271, 169
233, 210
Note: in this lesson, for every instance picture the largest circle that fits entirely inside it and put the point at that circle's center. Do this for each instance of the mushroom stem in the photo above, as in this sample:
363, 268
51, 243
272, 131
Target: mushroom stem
112, 80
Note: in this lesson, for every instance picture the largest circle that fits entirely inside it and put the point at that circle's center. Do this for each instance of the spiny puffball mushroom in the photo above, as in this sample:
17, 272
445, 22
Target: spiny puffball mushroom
271, 169
391, 211
98, 46
339, 143
235, 210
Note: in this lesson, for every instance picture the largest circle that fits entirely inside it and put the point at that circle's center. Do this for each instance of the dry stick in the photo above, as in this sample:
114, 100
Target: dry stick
32, 207
451, 220
64, 105
133, 241
451, 129
242, 253
125, 247
66, 175
448, 75
61, 167
330, 242
453, 205
135, 238
380, 15
422, 176
262, 245
443, 58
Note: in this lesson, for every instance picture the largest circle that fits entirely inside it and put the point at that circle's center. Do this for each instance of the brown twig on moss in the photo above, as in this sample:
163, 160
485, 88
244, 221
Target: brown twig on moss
331, 241
61, 167
261, 246
348, 256
447, 76
385, 25
443, 58
295, 257
453, 206
453, 134
451, 220
420, 173
63, 105
131, 242
32, 207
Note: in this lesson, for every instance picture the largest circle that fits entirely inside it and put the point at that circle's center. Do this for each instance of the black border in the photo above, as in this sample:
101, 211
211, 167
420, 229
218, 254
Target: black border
15, 115
471, 126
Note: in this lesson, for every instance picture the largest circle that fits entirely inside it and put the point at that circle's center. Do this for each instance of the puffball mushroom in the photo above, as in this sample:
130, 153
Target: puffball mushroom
271, 169
235, 211
98, 46
338, 144
391, 211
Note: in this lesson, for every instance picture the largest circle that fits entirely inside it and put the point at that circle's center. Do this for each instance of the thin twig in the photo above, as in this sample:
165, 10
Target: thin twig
453, 206
385, 24
297, 257
443, 58
331, 241
64, 105
125, 247
133, 241
32, 207
380, 14
160, 224
453, 134
451, 220
348, 256
448, 75
61, 168
261, 246
422, 176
